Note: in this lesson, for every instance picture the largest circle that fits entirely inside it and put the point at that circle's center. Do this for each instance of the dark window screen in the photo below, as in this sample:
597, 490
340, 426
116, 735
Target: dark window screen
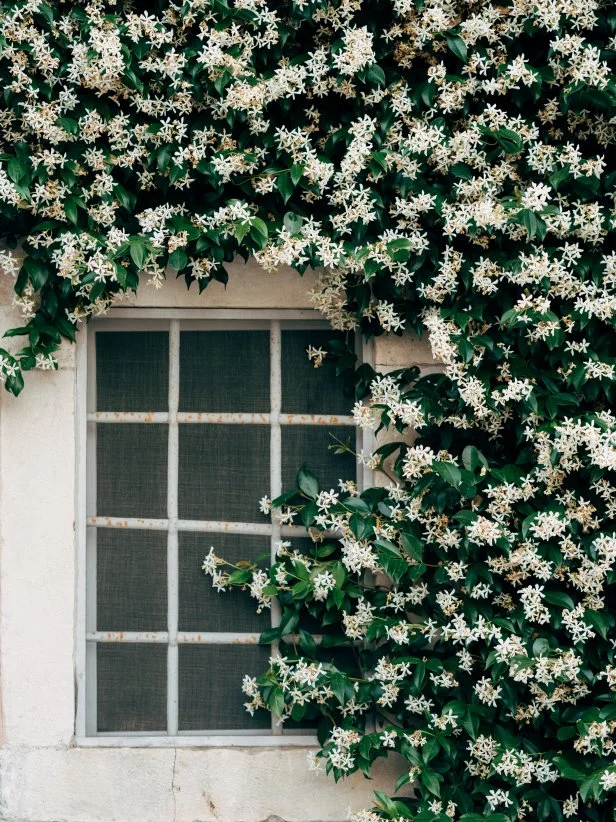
306, 389
224, 371
308, 444
224, 471
211, 696
132, 371
132, 687
131, 470
202, 608
131, 580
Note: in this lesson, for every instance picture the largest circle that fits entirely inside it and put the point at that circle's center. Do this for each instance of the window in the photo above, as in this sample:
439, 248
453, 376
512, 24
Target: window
189, 422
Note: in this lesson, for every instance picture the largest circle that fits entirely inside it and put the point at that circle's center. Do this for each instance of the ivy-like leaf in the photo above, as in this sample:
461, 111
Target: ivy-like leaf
307, 483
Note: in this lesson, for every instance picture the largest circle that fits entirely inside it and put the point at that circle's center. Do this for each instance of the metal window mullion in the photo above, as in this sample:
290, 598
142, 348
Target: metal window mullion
197, 526
172, 533
146, 637
275, 466
91, 540
215, 417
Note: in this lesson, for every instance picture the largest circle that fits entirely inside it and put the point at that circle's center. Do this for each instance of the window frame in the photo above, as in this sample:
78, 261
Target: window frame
169, 319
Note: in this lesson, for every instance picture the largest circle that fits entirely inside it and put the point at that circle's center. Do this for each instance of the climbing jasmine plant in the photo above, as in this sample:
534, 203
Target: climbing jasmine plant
450, 167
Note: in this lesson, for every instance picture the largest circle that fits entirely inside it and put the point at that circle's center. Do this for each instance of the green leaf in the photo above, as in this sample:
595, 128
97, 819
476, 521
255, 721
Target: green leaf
163, 157
541, 647
16, 169
559, 598
293, 223
70, 209
270, 635
178, 259
530, 221
509, 140
467, 489
457, 45
259, 227
388, 547
360, 526
356, 504
37, 271
448, 471
338, 684
466, 517
601, 621
240, 577
285, 186
432, 781
138, 251
241, 230
307, 483
176, 173
472, 458
15, 383
462, 170
308, 514
591, 787
17, 332
413, 546
276, 702
376, 75
559, 176
296, 172
307, 643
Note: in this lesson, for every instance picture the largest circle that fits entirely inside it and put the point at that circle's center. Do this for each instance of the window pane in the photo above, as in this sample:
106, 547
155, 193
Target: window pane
132, 370
202, 608
224, 471
132, 687
309, 444
210, 696
224, 371
306, 389
131, 580
131, 470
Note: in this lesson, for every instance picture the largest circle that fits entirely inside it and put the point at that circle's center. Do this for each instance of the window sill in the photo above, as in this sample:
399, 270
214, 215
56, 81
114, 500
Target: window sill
228, 741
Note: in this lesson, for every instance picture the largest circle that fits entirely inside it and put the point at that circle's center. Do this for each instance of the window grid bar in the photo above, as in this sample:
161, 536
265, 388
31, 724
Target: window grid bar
182, 637
226, 418
81, 498
91, 547
197, 525
172, 534
187, 637
275, 468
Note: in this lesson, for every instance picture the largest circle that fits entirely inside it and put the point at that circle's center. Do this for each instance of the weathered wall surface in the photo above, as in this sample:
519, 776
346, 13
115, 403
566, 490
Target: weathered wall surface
44, 776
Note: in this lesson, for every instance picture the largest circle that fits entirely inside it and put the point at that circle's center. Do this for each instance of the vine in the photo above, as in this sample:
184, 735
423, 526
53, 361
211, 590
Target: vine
449, 165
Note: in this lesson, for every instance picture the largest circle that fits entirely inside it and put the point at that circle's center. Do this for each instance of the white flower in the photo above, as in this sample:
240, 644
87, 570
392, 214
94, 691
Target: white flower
536, 196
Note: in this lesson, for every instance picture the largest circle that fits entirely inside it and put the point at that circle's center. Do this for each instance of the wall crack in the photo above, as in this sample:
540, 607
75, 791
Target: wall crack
174, 787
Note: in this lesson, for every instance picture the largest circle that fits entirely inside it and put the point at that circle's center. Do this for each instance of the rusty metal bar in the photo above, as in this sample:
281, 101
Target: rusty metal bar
275, 466
190, 637
217, 418
212, 638
140, 524
128, 636
142, 417
172, 534
197, 525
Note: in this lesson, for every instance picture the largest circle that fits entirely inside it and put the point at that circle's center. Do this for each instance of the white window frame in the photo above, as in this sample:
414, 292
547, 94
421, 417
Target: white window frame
86, 638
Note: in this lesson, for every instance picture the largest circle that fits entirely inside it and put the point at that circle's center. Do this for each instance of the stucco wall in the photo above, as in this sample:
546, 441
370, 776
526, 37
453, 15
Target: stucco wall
44, 776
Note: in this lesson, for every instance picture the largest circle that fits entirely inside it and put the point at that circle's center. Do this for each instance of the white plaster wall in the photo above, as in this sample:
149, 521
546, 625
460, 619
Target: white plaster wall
44, 777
